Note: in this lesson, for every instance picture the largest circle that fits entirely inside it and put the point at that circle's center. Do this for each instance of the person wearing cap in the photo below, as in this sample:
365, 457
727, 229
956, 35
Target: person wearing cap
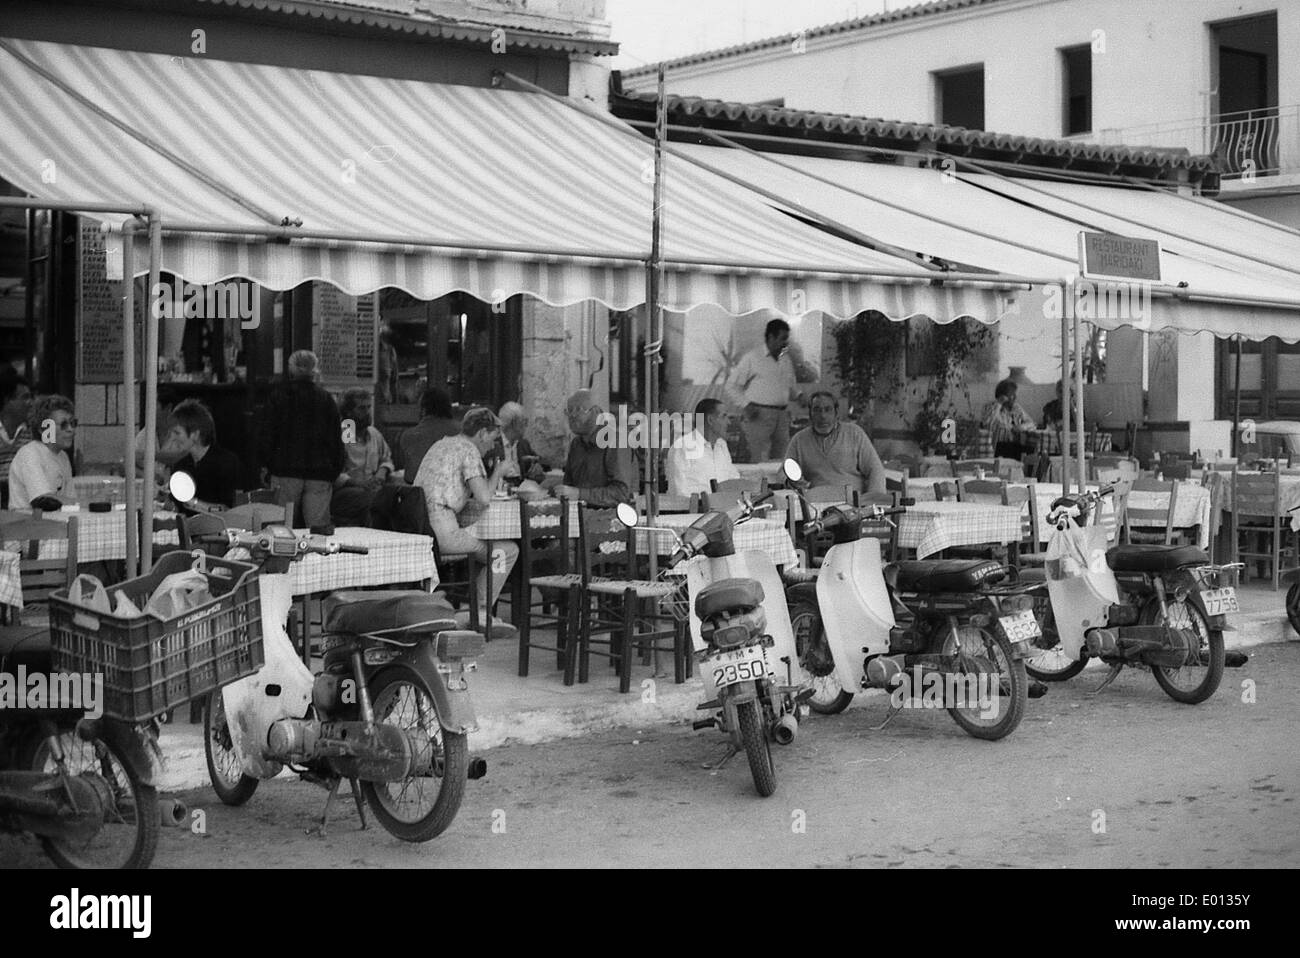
457, 488
301, 442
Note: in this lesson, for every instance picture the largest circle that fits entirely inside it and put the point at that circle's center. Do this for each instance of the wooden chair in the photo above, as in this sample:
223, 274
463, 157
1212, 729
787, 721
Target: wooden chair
41, 576
829, 495
897, 486
267, 496
726, 494
670, 504
545, 564
987, 491
947, 491
971, 467
1151, 517
1257, 512
1029, 551
607, 570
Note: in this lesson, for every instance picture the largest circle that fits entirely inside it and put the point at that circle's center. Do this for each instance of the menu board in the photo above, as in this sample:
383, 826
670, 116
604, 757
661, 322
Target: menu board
99, 312
343, 334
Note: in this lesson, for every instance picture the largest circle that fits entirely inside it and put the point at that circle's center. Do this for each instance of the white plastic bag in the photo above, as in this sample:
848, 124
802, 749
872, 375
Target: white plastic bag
88, 591
177, 594
1075, 552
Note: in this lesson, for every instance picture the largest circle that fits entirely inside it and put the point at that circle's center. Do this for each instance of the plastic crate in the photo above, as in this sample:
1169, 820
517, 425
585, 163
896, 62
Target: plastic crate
151, 666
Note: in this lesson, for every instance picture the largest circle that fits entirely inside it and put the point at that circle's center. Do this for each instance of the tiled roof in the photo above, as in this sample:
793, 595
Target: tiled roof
721, 115
830, 29
404, 16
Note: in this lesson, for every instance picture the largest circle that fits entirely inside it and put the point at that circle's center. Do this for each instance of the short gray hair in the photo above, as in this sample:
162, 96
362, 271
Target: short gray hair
302, 365
511, 412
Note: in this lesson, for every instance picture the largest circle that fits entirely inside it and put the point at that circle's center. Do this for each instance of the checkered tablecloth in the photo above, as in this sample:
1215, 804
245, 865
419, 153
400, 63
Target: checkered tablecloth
103, 489
393, 557
501, 521
1191, 509
1290, 492
931, 527
101, 536
759, 535
11, 587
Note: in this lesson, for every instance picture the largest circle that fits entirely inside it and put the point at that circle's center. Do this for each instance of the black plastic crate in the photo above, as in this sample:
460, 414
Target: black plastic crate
151, 666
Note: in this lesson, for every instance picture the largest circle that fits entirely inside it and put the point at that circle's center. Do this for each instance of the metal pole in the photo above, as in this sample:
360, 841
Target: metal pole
1236, 404
1082, 465
1065, 385
150, 392
654, 314
128, 391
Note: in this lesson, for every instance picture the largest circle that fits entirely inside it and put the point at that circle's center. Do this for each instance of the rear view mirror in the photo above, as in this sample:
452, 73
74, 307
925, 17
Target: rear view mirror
793, 471
627, 514
181, 486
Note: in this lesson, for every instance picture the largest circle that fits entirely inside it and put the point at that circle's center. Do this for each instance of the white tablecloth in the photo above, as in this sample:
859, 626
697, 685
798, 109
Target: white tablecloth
931, 527
1290, 494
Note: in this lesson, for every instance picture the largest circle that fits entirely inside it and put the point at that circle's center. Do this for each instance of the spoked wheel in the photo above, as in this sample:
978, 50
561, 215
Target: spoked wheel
422, 805
230, 783
1198, 678
991, 683
104, 778
757, 748
829, 697
1048, 661
1293, 605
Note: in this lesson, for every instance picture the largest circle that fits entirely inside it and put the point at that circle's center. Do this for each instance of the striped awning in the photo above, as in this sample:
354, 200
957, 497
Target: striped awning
440, 188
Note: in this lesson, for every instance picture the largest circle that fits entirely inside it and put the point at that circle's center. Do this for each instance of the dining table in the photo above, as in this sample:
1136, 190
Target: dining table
931, 527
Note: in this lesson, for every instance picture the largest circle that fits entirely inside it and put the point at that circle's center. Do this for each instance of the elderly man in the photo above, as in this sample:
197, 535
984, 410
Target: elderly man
701, 457
601, 477
456, 486
302, 442
834, 453
764, 383
517, 453
369, 464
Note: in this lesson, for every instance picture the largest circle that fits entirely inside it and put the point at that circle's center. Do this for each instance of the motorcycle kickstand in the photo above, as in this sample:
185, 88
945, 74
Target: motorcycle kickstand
320, 830
1114, 671
361, 804
732, 751
889, 717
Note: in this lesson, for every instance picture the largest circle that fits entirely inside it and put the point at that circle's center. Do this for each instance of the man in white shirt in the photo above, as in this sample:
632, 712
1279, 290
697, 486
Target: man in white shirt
765, 383
700, 456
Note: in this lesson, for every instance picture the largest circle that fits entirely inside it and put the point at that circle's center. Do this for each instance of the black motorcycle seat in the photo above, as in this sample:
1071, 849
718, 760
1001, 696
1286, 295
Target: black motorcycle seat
27, 645
948, 575
1154, 558
728, 595
397, 615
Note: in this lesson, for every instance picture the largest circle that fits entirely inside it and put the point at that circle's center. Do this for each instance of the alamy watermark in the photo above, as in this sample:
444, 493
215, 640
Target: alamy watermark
639, 430
930, 689
82, 691
233, 299
1125, 302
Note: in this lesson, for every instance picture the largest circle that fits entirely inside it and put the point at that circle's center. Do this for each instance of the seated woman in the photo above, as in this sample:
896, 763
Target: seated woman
42, 468
1010, 427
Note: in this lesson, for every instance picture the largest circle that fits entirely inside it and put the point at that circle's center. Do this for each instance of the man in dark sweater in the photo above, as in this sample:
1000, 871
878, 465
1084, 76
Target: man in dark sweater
302, 442
601, 475
215, 470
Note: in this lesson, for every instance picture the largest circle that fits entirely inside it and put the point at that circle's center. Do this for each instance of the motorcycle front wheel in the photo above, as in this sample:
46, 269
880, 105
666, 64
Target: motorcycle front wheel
1197, 680
225, 771
1001, 686
1293, 605
129, 834
1048, 661
757, 748
422, 805
829, 697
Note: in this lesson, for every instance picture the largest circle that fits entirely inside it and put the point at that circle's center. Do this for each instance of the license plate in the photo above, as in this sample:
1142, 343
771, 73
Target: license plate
745, 664
1020, 627
1220, 601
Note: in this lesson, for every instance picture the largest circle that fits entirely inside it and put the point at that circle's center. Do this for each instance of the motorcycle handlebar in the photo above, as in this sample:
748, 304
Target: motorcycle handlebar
354, 550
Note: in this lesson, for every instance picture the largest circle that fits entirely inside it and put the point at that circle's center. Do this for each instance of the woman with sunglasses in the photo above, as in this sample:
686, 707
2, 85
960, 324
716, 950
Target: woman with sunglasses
42, 467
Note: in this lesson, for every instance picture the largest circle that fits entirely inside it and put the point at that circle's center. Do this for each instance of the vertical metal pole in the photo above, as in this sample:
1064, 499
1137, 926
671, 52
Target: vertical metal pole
150, 392
1236, 403
1065, 386
128, 390
654, 314
1082, 465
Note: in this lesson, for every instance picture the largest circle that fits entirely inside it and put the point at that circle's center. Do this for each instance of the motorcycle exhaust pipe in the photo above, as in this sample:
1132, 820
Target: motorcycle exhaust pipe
477, 768
784, 729
172, 812
703, 724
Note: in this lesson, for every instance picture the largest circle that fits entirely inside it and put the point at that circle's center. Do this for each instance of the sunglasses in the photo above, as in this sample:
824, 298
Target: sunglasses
68, 424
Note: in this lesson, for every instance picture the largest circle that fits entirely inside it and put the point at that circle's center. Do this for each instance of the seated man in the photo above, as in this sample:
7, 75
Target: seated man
437, 421
701, 456
521, 462
369, 465
834, 453
215, 470
598, 474
453, 478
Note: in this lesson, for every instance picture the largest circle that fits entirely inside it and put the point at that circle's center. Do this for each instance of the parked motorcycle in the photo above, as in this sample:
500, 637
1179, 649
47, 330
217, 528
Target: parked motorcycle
389, 712
947, 623
1293, 594
742, 638
1155, 606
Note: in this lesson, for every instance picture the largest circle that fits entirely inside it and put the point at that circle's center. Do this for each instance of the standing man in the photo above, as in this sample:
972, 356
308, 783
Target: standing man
701, 456
765, 384
369, 464
302, 442
834, 453
215, 470
600, 477
15, 407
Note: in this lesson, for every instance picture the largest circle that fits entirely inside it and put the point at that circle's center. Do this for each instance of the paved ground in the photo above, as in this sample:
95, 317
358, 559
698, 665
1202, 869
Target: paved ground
1125, 779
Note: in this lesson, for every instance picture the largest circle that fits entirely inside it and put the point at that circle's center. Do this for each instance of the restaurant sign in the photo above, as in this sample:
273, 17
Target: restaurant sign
1108, 256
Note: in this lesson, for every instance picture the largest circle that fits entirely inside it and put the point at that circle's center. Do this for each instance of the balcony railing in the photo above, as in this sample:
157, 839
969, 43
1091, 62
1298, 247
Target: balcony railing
1250, 143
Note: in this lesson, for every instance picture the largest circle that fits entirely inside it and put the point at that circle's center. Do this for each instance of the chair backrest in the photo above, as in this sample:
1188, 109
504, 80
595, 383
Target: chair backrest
1152, 515
1257, 495
1025, 496
410, 511
831, 494
255, 516
669, 503
605, 545
947, 490
897, 485
544, 534
988, 491
755, 487
1176, 470
268, 496
42, 576
971, 467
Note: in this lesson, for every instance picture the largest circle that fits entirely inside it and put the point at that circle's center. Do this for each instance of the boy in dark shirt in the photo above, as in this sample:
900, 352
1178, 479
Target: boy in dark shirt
215, 470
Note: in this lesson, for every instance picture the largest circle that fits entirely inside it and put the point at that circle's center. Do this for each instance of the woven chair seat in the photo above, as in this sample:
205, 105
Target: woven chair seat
556, 581
645, 589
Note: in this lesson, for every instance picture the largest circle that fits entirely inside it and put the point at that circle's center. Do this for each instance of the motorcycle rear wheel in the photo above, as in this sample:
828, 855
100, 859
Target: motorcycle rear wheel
232, 786
829, 697
1190, 684
1293, 605
1013, 685
757, 748
129, 835
402, 698
1049, 663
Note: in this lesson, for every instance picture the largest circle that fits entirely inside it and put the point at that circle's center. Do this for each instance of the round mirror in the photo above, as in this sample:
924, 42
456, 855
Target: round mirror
181, 486
627, 514
793, 471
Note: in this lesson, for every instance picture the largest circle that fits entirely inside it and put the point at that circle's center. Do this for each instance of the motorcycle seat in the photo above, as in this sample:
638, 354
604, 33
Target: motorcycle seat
398, 616
948, 575
728, 595
27, 645
1154, 558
